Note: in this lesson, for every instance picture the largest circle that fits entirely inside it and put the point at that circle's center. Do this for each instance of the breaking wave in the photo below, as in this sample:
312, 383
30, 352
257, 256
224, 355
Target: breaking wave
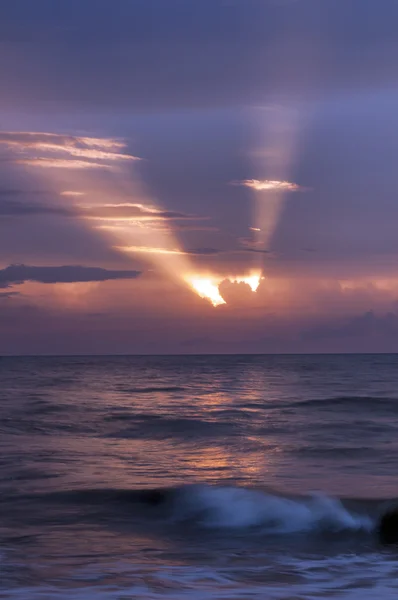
235, 508
231, 508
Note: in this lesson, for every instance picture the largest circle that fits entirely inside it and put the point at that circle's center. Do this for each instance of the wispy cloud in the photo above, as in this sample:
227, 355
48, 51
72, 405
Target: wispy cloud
18, 274
269, 185
193, 227
259, 250
166, 226
172, 225
155, 250
60, 163
151, 250
132, 211
248, 242
31, 138
46, 150
203, 251
72, 193
91, 153
7, 295
13, 208
110, 216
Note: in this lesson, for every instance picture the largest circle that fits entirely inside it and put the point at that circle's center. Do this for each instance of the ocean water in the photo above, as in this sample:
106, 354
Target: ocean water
208, 477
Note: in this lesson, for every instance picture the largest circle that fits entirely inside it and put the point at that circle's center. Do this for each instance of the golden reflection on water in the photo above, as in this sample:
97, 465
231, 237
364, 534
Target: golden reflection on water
136, 463
173, 431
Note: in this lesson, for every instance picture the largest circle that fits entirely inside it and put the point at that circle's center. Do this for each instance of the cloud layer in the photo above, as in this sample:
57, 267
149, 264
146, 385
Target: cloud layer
18, 274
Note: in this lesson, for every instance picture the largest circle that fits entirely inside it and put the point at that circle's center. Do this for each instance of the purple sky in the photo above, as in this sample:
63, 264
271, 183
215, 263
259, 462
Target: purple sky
133, 127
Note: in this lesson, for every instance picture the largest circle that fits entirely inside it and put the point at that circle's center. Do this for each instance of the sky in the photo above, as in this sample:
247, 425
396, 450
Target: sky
198, 176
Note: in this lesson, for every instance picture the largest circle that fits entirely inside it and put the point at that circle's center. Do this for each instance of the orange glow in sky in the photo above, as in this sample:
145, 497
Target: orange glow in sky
125, 204
253, 281
206, 288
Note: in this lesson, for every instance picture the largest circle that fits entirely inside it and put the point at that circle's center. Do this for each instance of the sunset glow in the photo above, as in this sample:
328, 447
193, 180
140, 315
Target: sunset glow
269, 185
253, 281
234, 197
206, 288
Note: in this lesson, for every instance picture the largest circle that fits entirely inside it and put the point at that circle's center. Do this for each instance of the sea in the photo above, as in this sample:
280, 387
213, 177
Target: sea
197, 477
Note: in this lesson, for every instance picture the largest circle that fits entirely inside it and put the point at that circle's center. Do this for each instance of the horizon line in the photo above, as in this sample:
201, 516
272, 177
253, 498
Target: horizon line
193, 354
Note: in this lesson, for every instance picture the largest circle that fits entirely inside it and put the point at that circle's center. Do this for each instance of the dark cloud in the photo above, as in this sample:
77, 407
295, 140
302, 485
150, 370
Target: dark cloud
18, 203
192, 227
16, 208
17, 274
10, 193
12, 208
204, 251
6, 295
258, 250
135, 211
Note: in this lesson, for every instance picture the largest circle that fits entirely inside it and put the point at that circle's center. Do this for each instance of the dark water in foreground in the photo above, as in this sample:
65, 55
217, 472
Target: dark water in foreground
275, 471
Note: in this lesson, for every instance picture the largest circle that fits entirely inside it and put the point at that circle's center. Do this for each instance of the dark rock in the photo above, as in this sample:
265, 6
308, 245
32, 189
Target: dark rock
388, 527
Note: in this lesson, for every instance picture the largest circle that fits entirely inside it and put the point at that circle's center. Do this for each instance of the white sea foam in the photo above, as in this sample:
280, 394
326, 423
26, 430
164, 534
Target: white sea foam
234, 507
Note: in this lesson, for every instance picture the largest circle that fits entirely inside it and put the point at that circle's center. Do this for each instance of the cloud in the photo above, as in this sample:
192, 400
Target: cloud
367, 324
18, 274
12, 208
6, 295
269, 185
171, 226
250, 242
29, 139
155, 250
150, 250
189, 227
133, 211
72, 193
83, 152
125, 212
48, 163
91, 153
203, 251
258, 250
19, 192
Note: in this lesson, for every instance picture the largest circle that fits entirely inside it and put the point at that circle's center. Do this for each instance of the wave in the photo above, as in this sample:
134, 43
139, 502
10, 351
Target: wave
232, 508
333, 452
236, 508
378, 403
151, 389
146, 425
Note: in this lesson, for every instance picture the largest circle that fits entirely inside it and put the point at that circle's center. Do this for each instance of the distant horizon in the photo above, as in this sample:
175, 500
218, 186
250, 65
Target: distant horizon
209, 354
